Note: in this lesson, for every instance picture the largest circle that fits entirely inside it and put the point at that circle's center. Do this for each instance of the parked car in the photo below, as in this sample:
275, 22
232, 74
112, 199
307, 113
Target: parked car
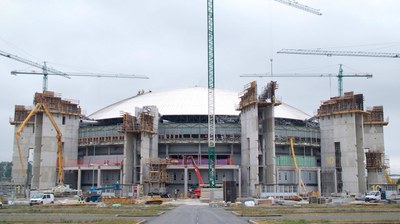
373, 196
42, 199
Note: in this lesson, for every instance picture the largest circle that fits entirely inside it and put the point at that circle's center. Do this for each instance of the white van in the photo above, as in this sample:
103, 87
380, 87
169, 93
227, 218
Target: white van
42, 199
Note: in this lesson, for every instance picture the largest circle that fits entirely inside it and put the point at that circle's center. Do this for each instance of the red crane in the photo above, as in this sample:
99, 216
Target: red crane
197, 191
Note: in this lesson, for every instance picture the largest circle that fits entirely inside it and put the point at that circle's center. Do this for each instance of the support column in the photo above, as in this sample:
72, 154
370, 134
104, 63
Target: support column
269, 131
240, 182
362, 180
299, 181
78, 184
98, 176
319, 180
185, 183
129, 154
37, 151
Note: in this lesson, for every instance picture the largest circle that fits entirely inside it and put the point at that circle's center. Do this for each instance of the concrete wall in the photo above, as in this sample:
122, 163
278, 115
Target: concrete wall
347, 130
374, 142
27, 143
249, 153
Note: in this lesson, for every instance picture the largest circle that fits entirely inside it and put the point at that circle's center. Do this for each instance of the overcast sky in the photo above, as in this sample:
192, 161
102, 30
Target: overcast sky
167, 41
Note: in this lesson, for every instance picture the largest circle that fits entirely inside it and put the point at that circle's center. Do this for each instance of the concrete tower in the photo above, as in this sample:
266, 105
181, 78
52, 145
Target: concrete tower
66, 115
249, 139
342, 144
374, 145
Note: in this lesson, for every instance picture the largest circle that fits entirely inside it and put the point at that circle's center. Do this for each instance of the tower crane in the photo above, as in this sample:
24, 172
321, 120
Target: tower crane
211, 82
44, 67
46, 71
300, 6
340, 76
339, 53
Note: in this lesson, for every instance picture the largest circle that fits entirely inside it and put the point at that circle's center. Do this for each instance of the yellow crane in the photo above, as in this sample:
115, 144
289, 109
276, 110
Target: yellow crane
41, 107
303, 186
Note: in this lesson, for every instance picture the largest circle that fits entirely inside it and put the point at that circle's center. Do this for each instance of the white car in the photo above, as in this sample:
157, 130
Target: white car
373, 196
1, 204
42, 199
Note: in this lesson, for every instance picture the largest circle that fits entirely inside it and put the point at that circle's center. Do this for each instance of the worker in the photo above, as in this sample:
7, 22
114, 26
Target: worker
176, 192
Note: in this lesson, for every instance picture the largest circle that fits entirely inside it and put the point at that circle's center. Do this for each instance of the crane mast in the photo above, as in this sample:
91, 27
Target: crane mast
211, 95
211, 82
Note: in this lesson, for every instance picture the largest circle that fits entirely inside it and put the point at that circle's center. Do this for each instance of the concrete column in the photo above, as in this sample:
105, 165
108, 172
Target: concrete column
275, 188
319, 180
99, 177
362, 181
78, 184
185, 183
129, 156
239, 183
299, 182
37, 152
269, 125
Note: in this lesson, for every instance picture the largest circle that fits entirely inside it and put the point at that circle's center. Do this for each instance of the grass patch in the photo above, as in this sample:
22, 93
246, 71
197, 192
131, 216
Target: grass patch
79, 214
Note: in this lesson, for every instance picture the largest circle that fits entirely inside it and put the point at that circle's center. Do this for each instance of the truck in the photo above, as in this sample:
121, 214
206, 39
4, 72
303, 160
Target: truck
38, 199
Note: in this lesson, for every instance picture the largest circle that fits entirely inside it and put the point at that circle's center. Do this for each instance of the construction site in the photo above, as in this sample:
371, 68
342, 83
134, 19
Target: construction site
202, 146
264, 147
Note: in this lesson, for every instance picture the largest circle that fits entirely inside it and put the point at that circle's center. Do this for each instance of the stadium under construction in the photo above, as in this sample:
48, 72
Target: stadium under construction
263, 146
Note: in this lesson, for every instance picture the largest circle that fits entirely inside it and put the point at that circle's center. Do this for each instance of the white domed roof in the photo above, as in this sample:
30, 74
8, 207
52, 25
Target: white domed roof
188, 101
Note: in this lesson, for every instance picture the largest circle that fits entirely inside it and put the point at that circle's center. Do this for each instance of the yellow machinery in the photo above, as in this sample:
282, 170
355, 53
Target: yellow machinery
303, 186
36, 109
388, 179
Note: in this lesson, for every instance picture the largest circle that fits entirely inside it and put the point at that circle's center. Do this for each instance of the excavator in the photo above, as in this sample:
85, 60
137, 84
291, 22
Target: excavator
197, 190
42, 107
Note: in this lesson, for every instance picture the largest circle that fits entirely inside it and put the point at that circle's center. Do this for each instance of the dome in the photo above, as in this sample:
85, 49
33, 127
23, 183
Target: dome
188, 101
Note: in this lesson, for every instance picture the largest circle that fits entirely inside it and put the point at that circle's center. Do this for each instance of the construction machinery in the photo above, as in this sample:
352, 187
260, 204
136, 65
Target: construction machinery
300, 6
339, 53
46, 71
340, 76
95, 193
40, 107
302, 185
196, 191
211, 82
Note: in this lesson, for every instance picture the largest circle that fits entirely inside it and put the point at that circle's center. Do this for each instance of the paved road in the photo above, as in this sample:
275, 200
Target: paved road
197, 214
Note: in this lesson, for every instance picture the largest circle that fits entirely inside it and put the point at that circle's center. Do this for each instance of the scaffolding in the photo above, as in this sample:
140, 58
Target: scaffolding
375, 116
57, 105
374, 160
267, 96
249, 96
21, 113
157, 176
146, 122
129, 124
348, 103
